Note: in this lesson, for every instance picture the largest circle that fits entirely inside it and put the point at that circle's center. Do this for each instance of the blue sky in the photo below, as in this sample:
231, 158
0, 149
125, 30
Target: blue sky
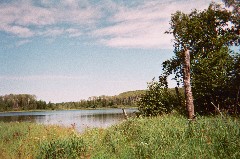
67, 50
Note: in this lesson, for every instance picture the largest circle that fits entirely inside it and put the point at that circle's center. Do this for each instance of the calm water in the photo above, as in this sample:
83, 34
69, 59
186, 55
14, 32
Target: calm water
81, 118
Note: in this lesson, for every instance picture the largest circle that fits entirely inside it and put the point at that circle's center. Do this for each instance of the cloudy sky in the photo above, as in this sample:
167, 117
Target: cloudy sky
67, 50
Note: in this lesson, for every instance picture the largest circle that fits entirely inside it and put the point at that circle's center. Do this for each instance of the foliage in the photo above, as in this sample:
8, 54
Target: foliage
234, 6
213, 67
21, 102
221, 87
202, 32
125, 99
131, 94
167, 136
157, 100
17, 102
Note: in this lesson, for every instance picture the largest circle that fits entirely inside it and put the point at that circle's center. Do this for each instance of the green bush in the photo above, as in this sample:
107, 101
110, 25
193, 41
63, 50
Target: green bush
157, 100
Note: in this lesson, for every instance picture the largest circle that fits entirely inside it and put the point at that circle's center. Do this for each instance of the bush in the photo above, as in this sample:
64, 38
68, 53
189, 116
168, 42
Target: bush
157, 100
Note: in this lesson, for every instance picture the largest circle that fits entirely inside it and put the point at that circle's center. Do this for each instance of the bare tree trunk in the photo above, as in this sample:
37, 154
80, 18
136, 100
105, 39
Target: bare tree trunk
124, 113
187, 85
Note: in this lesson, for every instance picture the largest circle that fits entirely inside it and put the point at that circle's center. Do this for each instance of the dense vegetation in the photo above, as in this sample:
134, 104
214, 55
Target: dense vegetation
21, 140
159, 99
207, 37
18, 102
29, 102
168, 136
22, 102
125, 99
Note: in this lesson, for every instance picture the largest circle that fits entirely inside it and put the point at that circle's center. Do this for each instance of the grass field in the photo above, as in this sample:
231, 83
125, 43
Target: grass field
168, 136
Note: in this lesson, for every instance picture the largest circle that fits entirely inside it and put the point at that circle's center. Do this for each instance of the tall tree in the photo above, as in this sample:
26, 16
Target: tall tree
196, 35
187, 84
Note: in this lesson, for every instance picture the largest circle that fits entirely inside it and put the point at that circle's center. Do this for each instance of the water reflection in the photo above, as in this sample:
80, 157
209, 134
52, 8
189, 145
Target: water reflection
18, 118
82, 119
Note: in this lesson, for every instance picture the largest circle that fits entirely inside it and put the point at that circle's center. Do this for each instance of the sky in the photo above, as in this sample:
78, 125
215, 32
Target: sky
68, 50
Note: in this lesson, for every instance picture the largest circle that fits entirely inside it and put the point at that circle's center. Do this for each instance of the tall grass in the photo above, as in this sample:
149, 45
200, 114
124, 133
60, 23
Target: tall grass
23, 140
169, 136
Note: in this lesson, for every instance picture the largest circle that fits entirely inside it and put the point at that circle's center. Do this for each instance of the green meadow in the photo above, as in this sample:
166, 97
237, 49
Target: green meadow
167, 136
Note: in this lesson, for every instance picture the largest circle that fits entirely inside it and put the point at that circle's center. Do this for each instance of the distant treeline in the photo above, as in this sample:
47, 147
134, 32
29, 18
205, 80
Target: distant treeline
18, 102
126, 99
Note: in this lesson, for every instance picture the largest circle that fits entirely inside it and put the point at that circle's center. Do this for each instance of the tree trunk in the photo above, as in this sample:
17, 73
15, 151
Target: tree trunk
187, 85
124, 113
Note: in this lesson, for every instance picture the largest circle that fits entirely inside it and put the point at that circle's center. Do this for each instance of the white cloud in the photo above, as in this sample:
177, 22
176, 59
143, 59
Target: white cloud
55, 32
25, 14
74, 32
139, 24
144, 25
27, 19
17, 30
42, 77
52, 32
140, 34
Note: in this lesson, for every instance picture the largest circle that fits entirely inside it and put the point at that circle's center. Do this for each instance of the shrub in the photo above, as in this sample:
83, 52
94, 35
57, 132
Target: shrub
157, 100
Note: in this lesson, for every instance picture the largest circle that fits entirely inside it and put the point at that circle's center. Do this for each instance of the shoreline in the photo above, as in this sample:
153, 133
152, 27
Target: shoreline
48, 110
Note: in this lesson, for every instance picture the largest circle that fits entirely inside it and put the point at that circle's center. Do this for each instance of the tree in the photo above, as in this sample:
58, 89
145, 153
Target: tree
235, 20
187, 84
213, 81
196, 35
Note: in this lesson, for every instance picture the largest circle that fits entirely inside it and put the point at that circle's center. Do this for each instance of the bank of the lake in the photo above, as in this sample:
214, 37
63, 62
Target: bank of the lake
169, 136
82, 119
49, 110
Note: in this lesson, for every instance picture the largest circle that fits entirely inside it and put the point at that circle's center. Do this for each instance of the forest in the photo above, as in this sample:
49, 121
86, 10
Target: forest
19, 102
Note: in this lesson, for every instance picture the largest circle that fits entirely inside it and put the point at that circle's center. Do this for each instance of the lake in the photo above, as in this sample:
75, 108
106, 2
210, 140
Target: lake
82, 119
